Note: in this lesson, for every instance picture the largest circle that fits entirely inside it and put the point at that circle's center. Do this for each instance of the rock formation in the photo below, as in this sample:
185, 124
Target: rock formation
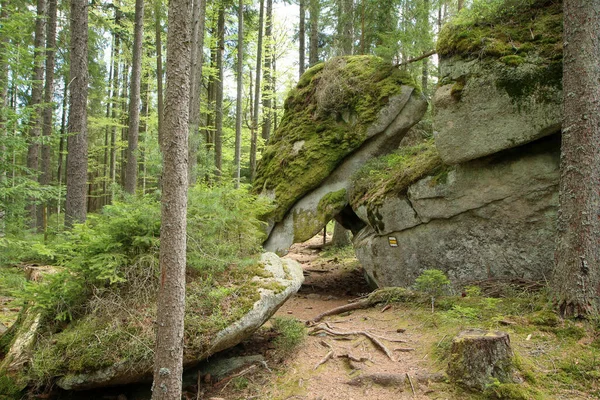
477, 200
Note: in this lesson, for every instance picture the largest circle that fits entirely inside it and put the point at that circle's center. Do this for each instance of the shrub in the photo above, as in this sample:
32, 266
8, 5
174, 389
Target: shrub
291, 333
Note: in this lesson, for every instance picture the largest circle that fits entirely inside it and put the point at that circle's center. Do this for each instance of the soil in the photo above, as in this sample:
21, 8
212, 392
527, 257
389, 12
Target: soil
331, 282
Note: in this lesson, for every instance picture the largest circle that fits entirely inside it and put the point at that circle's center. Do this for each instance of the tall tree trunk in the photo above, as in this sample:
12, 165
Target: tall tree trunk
124, 123
145, 97
61, 144
267, 93
196, 86
168, 355
254, 132
313, 55
3, 89
134, 99
114, 116
240, 87
47, 111
37, 86
75, 205
302, 38
576, 281
344, 26
110, 90
219, 94
426, 32
159, 70
251, 126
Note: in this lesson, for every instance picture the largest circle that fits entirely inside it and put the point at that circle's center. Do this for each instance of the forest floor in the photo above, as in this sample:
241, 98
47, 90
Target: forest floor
418, 339
555, 359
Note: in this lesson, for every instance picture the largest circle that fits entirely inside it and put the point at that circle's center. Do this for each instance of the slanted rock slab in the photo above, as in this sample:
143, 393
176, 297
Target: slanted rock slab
479, 358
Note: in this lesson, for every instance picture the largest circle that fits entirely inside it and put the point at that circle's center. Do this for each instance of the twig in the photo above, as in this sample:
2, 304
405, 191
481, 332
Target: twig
384, 309
198, 386
412, 60
411, 384
404, 349
229, 378
352, 358
440, 342
324, 359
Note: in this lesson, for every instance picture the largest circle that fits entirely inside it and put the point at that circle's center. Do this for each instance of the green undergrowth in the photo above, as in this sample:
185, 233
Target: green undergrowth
505, 29
326, 118
290, 334
395, 172
100, 311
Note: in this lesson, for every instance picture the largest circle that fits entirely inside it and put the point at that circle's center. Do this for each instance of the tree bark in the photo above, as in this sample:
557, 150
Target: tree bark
313, 55
37, 86
196, 86
240, 87
302, 39
254, 131
576, 280
345, 26
159, 70
267, 93
219, 94
3, 90
47, 112
168, 356
114, 114
134, 100
77, 157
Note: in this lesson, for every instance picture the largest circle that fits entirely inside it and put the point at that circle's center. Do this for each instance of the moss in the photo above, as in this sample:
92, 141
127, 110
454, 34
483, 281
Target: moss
512, 60
331, 204
544, 318
11, 386
394, 173
457, 88
330, 110
512, 391
501, 29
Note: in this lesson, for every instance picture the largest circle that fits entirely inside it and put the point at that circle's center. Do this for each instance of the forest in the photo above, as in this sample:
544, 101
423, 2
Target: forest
173, 173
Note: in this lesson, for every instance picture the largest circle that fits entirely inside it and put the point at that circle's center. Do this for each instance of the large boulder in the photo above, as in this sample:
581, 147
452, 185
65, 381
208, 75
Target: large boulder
488, 218
342, 113
501, 81
479, 200
104, 350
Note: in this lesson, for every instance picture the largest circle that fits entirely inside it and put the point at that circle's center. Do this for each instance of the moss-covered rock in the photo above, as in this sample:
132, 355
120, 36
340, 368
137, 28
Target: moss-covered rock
113, 342
327, 117
501, 83
505, 29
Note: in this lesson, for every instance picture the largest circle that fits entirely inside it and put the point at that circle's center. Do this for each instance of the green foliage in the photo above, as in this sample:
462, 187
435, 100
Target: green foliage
505, 28
473, 291
433, 282
511, 391
394, 173
462, 313
291, 333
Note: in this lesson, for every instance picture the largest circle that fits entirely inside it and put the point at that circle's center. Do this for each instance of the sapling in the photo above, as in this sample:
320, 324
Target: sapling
433, 282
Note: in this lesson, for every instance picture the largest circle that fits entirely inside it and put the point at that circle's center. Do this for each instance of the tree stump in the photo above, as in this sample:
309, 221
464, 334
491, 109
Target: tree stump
479, 358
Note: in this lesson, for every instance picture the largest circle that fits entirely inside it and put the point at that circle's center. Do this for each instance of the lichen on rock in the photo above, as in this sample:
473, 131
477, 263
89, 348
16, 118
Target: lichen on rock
330, 111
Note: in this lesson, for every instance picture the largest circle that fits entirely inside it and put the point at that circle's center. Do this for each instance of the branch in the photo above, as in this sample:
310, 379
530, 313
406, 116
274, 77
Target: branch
412, 60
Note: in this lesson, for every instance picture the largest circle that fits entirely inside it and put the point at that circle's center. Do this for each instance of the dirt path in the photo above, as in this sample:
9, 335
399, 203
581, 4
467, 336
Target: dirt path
331, 282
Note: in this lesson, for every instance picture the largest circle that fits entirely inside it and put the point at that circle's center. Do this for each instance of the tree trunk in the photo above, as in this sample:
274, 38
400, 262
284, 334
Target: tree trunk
478, 358
576, 281
134, 100
159, 70
252, 129
47, 111
313, 55
345, 26
196, 86
254, 132
37, 86
219, 94
267, 93
114, 115
61, 144
75, 205
168, 355
3, 89
107, 130
341, 237
240, 87
124, 123
302, 39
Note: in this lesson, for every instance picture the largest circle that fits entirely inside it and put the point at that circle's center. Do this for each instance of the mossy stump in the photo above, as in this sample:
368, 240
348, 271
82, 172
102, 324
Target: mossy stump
481, 358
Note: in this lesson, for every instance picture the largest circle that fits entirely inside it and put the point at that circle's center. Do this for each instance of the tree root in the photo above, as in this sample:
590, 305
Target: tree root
370, 336
327, 357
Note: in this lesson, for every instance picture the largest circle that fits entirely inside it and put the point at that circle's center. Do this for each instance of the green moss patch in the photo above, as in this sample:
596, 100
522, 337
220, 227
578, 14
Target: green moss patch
503, 29
395, 172
326, 118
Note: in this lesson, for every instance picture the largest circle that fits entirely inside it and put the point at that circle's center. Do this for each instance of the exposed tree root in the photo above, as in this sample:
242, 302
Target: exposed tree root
370, 336
383, 295
396, 380
327, 357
